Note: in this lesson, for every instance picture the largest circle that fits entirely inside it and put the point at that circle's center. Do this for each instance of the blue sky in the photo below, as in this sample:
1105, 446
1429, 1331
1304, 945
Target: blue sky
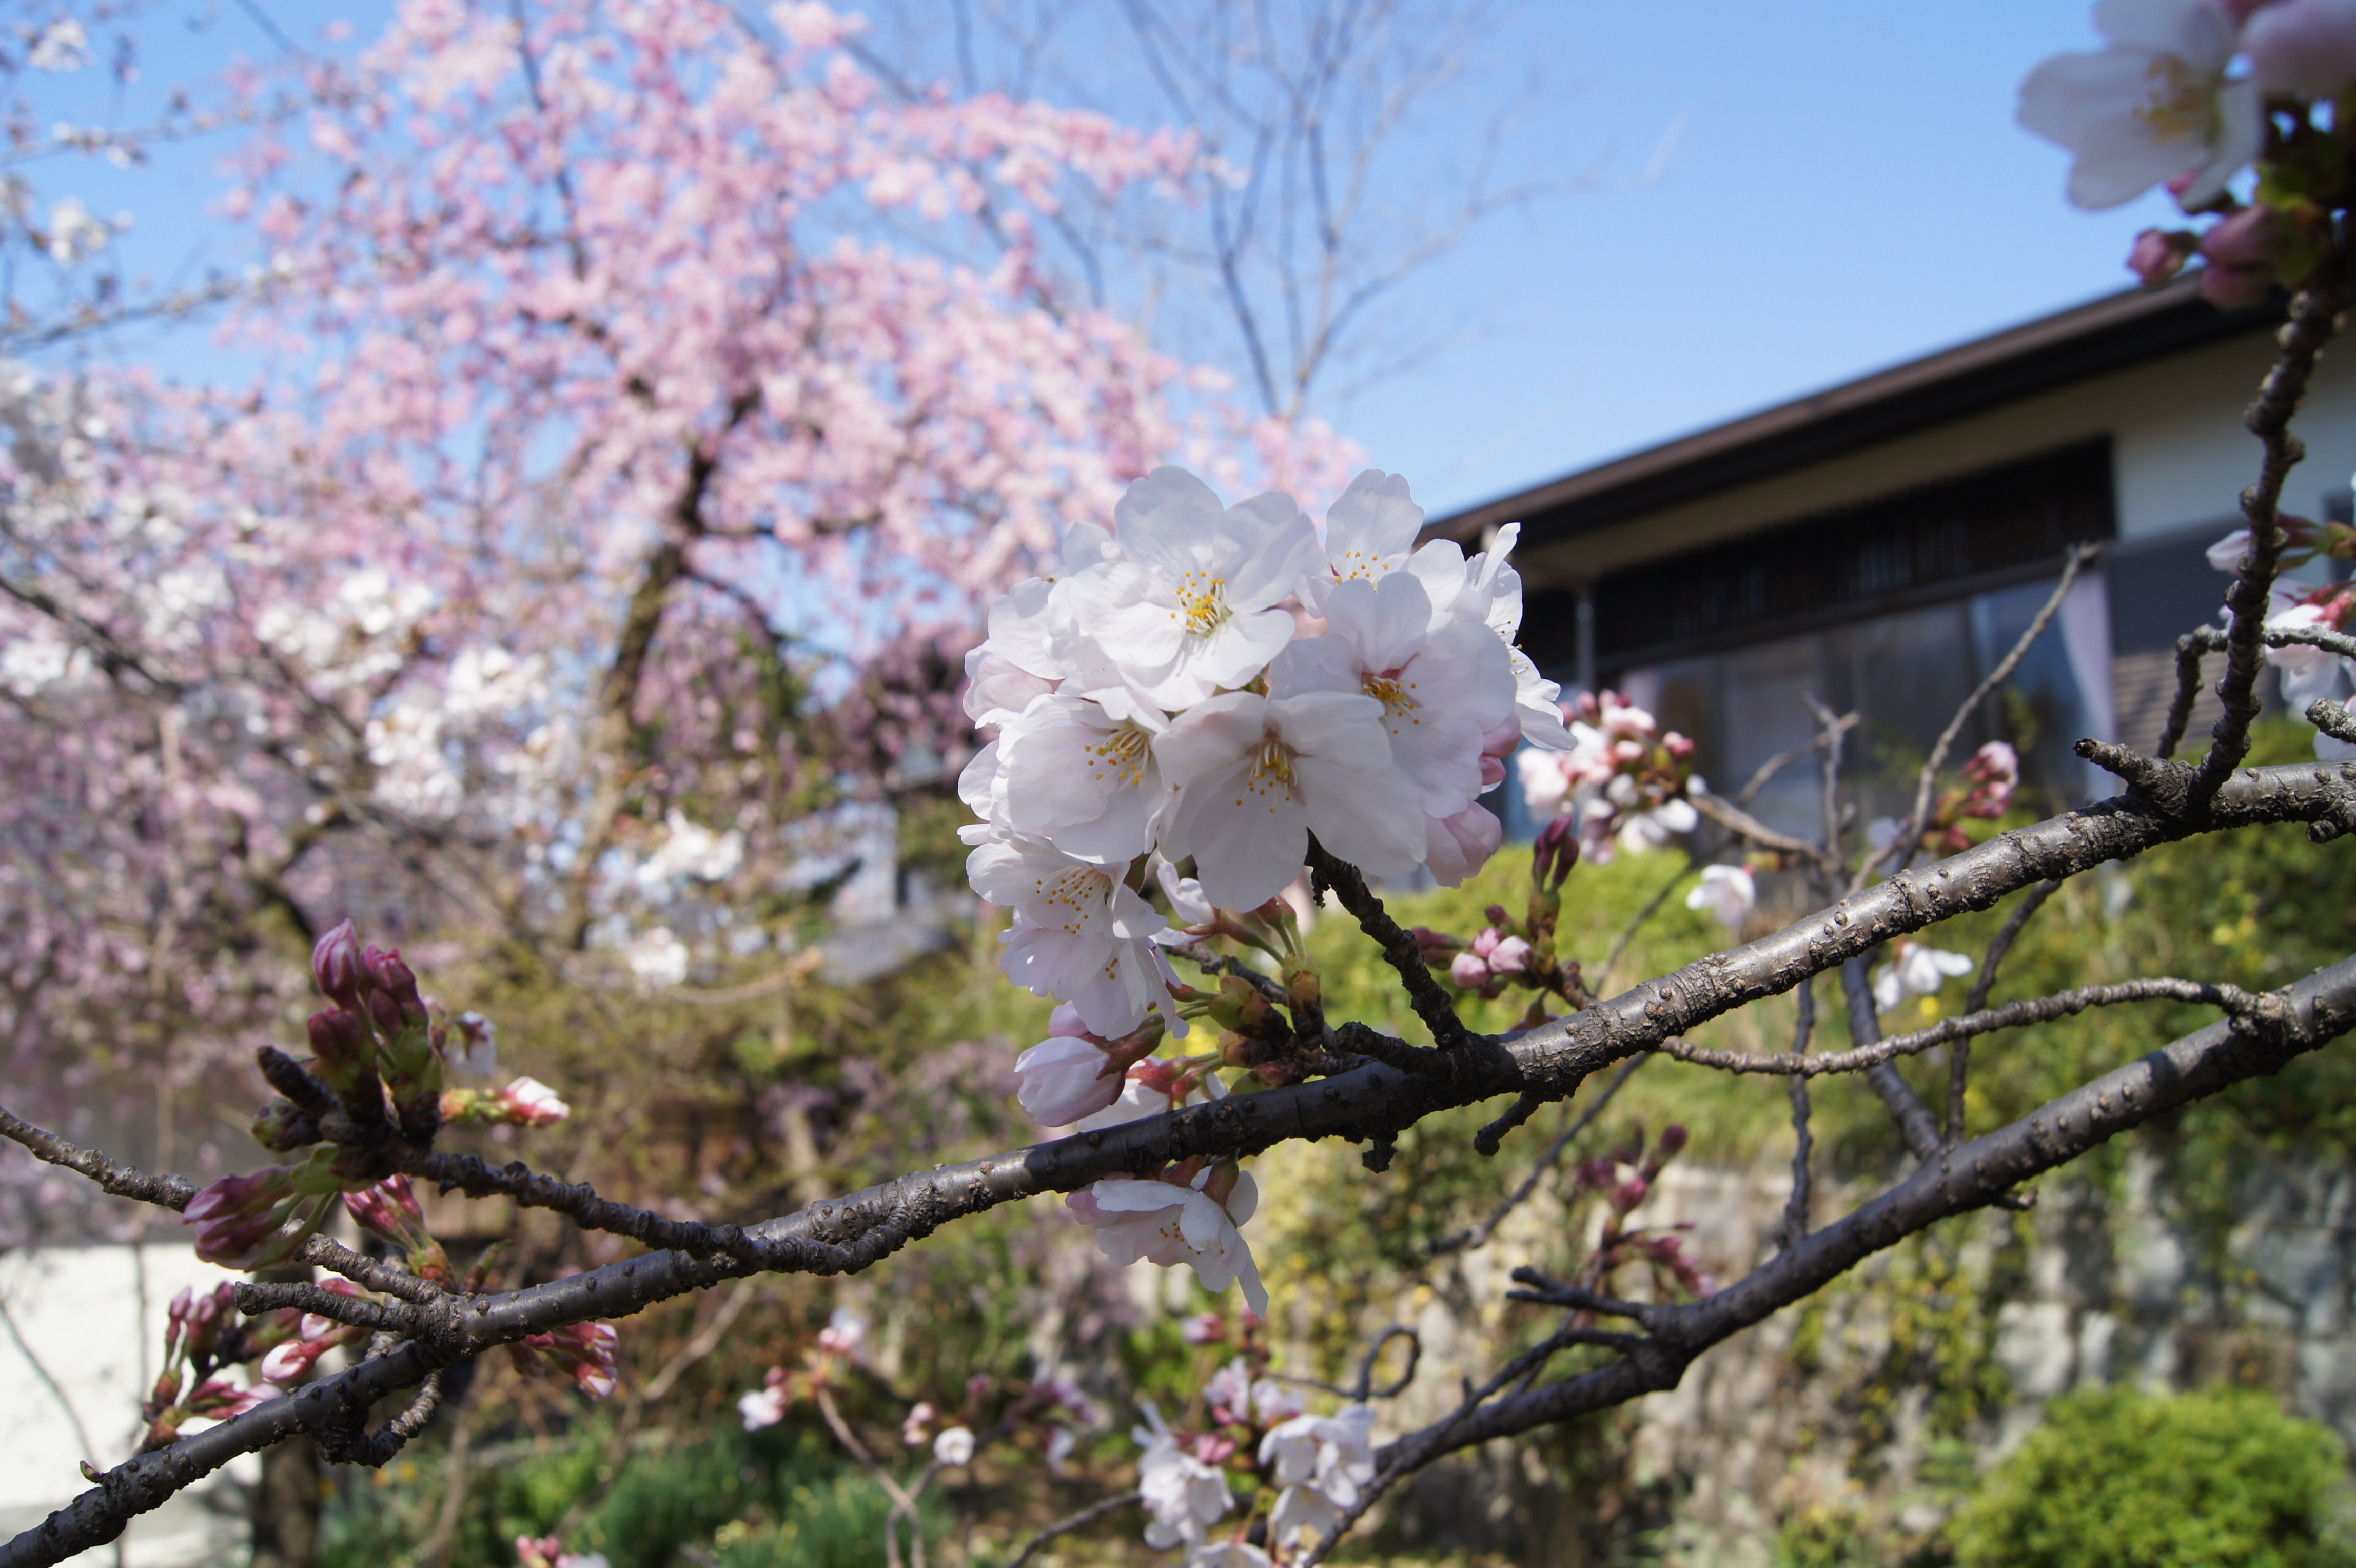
1844, 189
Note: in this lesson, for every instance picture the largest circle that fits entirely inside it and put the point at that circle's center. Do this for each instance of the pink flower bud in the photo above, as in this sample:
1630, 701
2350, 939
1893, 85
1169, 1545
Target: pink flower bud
1673, 1139
336, 967
527, 1103
1062, 1079
2243, 252
2161, 253
337, 1040
288, 1363
1555, 852
1512, 956
914, 1427
1469, 971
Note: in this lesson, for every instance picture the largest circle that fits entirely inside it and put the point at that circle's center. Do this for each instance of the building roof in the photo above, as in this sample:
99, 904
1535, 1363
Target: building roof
2109, 334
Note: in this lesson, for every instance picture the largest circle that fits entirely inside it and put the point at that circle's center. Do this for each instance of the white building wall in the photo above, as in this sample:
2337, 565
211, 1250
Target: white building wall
96, 1326
2181, 454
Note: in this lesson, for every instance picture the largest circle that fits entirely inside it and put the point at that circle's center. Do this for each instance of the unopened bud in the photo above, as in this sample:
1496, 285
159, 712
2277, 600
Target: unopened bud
336, 966
285, 1125
338, 1041
1436, 947
1495, 915
1673, 1139
1555, 852
2158, 254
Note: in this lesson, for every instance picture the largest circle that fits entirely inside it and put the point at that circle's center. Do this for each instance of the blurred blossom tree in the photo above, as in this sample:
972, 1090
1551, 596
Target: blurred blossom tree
631, 373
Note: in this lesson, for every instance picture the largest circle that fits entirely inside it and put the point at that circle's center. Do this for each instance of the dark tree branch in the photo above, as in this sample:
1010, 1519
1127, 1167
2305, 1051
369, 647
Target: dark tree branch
1914, 1120
1796, 1207
1959, 1061
2312, 1013
2314, 320
2011, 1015
1430, 1002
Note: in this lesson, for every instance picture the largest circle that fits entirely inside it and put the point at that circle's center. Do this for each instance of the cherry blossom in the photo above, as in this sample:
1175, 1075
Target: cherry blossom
1184, 1496
1322, 1461
2154, 106
1728, 892
1443, 689
1916, 969
2302, 47
1194, 606
1083, 776
1257, 776
1072, 1074
1197, 1223
953, 1447
1079, 933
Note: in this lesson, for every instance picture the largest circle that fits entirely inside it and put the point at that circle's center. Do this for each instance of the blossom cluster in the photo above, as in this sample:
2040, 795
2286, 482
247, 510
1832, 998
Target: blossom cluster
203, 1337
1200, 690
1982, 791
1215, 684
1052, 1409
2187, 94
2308, 673
1315, 1466
1624, 780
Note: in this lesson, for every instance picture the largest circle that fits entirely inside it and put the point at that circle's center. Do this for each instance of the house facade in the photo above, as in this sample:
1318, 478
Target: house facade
1879, 545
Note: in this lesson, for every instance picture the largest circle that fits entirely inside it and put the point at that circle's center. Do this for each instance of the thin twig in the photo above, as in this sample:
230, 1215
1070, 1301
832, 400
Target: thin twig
1959, 1060
1070, 1522
1906, 1107
2235, 1002
1652, 908
1478, 1235
1796, 1207
2314, 320
1905, 843
1398, 946
56, 1390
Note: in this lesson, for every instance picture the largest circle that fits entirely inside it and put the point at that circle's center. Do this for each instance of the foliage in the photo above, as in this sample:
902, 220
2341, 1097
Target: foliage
2116, 1479
756, 1500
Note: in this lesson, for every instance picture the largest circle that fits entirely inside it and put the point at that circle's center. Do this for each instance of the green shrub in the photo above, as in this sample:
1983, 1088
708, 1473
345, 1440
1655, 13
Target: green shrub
2114, 1478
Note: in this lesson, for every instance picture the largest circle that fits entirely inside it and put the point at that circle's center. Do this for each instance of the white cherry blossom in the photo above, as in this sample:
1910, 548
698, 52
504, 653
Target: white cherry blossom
1183, 1495
1082, 774
1080, 935
1151, 1087
1168, 1224
1196, 607
1443, 689
1916, 969
1728, 892
1257, 774
1369, 534
954, 1446
1457, 846
1064, 1077
1016, 662
2154, 106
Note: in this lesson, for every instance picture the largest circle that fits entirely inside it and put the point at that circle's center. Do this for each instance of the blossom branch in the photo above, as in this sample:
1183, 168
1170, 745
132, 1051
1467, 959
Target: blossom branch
1398, 947
1906, 1107
1087, 1516
2304, 1015
2314, 320
2233, 999
852, 1232
1795, 1088
1902, 845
